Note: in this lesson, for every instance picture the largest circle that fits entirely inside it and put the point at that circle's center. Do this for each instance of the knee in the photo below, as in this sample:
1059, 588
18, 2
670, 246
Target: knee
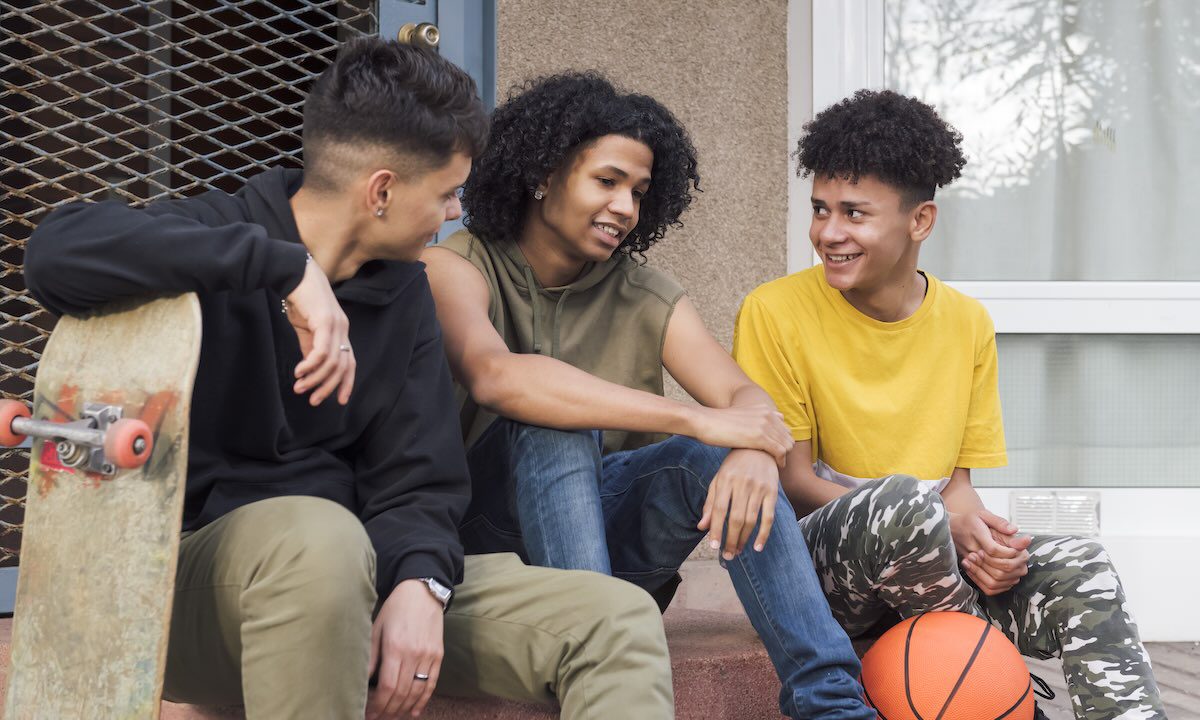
321, 555
908, 509
1087, 552
897, 489
626, 622
1068, 552
696, 458
580, 444
1075, 567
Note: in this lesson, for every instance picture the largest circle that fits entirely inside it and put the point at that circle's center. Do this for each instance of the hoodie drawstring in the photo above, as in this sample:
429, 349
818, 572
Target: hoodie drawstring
562, 300
535, 301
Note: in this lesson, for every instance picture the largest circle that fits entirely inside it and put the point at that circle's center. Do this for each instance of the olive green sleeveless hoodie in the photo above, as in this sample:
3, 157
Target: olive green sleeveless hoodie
611, 322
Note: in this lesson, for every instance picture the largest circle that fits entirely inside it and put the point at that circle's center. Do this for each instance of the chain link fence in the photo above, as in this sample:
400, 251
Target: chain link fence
135, 101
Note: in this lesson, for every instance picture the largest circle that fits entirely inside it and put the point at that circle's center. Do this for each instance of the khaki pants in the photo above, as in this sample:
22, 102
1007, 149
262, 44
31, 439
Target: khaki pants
273, 608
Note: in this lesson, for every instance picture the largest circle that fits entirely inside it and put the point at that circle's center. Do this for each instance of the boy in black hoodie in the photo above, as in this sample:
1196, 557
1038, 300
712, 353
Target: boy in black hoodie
326, 474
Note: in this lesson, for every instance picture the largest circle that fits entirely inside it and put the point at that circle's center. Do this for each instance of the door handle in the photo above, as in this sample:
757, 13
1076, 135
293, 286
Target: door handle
424, 35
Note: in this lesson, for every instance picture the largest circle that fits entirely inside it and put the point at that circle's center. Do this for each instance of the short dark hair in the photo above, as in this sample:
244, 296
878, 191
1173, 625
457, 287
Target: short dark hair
897, 139
547, 119
399, 97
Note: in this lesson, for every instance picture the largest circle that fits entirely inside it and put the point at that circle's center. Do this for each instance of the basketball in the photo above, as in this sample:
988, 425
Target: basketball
949, 666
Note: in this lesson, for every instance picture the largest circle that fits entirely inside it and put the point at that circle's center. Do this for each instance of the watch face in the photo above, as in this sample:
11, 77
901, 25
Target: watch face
440, 591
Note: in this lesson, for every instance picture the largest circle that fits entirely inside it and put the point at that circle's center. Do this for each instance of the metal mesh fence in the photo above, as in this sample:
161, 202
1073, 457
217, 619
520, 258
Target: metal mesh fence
118, 99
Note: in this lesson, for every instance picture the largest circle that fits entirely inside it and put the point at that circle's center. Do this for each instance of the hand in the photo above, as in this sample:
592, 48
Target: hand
406, 639
323, 330
754, 427
992, 554
1000, 574
746, 484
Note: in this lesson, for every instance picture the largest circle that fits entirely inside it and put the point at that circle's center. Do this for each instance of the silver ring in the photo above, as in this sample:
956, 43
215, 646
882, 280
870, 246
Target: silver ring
421, 676
344, 348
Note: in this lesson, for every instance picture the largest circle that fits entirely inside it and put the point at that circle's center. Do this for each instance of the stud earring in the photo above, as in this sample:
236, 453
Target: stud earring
538, 194
378, 212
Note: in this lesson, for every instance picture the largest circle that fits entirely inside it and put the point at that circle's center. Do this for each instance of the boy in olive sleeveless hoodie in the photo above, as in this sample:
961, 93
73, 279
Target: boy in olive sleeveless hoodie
557, 334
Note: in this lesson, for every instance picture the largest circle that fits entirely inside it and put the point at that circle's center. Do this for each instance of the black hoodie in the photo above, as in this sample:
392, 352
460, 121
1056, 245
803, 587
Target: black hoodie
393, 456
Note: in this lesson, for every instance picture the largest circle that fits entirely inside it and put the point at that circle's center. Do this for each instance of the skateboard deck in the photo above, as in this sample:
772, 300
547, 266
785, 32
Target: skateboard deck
99, 550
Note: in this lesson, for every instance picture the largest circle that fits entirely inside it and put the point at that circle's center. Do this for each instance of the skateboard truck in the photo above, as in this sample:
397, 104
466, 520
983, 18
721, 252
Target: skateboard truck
100, 441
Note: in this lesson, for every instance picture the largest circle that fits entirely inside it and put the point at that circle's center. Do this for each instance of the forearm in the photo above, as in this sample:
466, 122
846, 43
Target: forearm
413, 504
959, 495
413, 483
411, 544
807, 492
750, 394
84, 255
539, 390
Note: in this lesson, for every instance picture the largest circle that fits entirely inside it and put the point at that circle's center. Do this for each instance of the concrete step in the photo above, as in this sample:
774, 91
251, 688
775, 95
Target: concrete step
720, 670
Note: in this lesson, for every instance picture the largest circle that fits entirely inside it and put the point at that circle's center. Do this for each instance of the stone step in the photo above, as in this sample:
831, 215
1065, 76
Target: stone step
720, 670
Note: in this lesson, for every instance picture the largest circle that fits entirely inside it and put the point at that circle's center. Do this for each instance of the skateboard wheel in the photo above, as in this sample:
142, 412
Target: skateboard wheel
11, 410
128, 443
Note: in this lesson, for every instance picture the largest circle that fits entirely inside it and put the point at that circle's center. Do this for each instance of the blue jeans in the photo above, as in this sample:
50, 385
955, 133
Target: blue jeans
553, 497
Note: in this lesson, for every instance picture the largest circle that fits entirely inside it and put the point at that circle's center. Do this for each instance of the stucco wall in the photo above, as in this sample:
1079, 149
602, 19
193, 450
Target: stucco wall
721, 68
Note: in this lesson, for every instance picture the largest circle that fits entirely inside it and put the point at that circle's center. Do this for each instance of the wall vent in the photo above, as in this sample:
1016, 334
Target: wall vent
1053, 512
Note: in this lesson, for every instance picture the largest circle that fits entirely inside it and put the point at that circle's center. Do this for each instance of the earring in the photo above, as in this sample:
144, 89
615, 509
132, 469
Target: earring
378, 212
538, 194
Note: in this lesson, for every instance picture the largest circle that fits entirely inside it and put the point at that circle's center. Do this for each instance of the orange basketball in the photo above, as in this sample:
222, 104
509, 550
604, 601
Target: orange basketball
948, 666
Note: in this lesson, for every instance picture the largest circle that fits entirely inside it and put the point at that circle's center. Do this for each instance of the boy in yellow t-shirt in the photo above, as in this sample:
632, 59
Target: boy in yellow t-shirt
887, 380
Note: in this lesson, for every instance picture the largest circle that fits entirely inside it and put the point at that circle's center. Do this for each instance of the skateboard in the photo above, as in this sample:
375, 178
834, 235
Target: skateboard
103, 510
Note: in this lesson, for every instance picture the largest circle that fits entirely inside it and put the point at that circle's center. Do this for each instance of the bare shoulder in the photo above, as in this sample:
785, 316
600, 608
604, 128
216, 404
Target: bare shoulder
449, 270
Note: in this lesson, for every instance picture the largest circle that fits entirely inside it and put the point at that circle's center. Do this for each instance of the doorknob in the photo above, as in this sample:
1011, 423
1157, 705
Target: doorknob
424, 35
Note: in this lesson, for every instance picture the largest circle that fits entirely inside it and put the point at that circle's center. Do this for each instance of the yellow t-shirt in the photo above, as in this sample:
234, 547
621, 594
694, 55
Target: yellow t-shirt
916, 397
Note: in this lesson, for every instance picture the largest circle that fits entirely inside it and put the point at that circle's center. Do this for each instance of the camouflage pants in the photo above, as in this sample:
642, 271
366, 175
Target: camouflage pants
886, 547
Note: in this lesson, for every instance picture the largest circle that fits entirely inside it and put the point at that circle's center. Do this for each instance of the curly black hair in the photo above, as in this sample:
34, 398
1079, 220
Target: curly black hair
543, 122
896, 139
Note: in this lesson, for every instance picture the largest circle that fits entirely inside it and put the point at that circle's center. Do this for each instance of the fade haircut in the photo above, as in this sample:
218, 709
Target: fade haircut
384, 97
898, 140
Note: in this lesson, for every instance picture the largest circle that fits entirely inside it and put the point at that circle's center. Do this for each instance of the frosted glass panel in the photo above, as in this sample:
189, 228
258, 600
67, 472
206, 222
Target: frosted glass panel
1099, 411
1081, 124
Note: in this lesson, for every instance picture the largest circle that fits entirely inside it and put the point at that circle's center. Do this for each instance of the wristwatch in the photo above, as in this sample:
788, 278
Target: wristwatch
439, 591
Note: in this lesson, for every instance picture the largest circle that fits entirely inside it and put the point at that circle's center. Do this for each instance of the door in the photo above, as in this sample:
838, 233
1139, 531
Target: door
463, 31
1081, 125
